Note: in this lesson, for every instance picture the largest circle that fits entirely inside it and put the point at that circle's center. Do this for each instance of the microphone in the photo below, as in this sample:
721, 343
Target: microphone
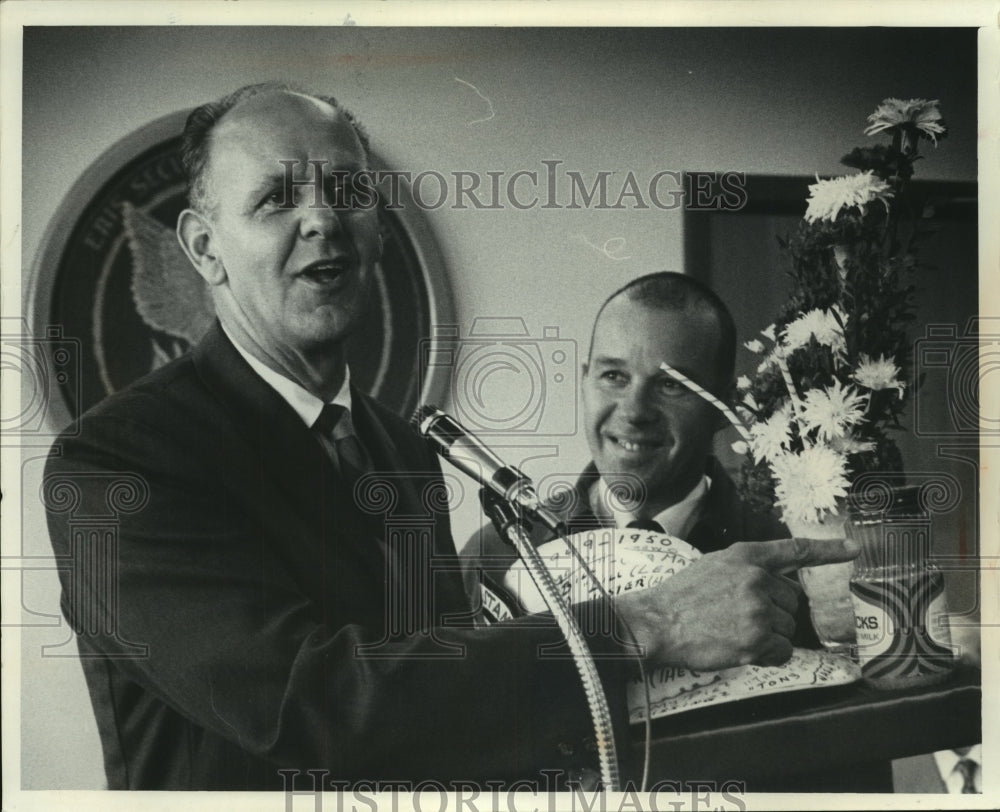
473, 457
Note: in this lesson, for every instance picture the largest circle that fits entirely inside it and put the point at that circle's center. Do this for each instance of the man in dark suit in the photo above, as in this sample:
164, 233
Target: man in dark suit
650, 436
252, 612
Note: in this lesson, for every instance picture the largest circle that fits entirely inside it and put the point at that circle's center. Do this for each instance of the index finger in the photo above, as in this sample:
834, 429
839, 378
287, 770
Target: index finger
787, 555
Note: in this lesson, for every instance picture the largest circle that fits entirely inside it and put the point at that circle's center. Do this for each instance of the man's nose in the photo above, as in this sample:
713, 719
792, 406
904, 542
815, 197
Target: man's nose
637, 406
318, 221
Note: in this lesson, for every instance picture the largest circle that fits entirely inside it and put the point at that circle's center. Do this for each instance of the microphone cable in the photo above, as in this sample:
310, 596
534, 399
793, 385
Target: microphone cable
505, 494
647, 702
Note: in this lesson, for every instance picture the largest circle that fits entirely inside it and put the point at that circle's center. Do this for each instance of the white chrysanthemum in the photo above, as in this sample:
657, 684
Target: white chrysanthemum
768, 332
832, 410
877, 374
769, 438
740, 447
807, 485
922, 114
754, 345
828, 197
821, 325
776, 354
742, 383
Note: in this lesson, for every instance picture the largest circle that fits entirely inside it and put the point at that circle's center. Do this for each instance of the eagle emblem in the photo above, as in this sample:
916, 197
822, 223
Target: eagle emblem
169, 294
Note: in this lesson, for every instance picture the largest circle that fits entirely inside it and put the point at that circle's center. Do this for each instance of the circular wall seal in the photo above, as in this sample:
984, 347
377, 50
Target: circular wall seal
111, 274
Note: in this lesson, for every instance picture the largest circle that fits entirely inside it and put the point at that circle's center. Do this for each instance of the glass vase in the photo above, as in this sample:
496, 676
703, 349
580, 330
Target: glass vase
903, 639
828, 587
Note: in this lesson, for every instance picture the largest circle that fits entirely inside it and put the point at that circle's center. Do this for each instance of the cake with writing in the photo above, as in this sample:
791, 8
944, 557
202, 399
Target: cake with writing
626, 560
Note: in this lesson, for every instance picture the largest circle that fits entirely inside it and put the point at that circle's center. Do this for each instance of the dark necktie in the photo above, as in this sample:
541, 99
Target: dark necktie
335, 426
646, 524
967, 768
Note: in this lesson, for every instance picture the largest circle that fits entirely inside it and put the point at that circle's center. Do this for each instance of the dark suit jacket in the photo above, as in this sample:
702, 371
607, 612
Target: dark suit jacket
236, 615
723, 517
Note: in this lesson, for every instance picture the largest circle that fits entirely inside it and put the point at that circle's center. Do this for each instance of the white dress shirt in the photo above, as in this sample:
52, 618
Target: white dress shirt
947, 764
305, 403
676, 520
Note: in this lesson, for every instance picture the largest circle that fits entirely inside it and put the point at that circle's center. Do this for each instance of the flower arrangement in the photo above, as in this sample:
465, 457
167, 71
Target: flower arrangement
830, 385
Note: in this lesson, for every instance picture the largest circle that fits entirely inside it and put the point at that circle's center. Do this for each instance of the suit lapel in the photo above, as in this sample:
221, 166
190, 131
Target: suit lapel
582, 516
411, 469
712, 530
290, 464
384, 452
291, 461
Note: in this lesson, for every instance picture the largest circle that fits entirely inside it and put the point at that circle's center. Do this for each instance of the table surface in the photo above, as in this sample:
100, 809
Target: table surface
817, 729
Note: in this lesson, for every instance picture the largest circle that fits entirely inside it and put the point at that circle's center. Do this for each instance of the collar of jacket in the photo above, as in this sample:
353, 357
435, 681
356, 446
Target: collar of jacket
723, 518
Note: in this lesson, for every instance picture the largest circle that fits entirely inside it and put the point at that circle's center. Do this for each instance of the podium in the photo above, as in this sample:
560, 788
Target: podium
837, 739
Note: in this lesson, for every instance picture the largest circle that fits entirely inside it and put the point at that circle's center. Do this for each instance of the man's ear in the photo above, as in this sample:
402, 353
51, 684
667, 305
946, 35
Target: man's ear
194, 232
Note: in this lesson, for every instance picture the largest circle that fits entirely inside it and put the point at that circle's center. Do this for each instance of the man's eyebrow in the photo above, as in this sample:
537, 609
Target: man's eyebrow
610, 361
267, 182
684, 370
279, 177
296, 175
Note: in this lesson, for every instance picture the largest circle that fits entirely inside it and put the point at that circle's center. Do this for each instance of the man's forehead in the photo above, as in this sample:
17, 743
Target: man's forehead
287, 122
634, 332
279, 105
263, 130
634, 318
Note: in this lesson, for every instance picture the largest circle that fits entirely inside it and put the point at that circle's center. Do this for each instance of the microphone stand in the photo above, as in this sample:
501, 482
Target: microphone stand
508, 522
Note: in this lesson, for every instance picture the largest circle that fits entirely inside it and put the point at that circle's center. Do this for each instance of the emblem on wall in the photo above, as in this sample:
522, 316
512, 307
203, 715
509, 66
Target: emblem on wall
112, 275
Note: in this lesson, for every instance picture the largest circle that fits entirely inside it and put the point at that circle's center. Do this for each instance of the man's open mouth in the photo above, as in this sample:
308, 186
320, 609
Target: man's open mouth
634, 446
325, 272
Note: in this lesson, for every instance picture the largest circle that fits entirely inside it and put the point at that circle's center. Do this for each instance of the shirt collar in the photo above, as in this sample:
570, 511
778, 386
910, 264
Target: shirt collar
306, 405
675, 520
947, 760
